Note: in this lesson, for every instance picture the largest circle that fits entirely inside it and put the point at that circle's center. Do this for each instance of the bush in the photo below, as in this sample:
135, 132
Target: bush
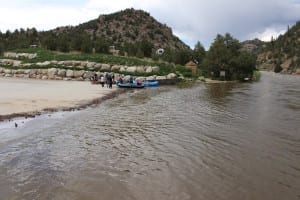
186, 72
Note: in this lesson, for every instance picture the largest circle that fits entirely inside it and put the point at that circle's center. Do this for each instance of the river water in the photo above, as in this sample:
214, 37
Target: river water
209, 141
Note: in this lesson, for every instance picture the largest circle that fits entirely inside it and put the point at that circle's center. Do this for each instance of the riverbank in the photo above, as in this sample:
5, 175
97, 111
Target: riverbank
31, 97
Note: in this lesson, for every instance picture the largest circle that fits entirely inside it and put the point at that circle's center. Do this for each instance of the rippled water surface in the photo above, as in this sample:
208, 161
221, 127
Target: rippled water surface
217, 141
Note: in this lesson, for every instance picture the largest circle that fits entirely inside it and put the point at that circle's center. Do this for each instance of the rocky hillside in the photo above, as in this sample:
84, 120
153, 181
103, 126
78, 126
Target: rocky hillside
125, 30
132, 32
282, 54
253, 46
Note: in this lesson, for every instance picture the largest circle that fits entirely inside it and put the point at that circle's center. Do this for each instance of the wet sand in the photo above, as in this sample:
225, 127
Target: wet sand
27, 97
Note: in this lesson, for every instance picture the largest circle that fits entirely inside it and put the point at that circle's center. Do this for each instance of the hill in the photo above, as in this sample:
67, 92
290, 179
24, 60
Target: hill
282, 54
132, 32
130, 26
253, 46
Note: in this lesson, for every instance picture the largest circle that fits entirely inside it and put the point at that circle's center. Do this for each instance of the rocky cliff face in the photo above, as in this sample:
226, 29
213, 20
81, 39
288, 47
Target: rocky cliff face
253, 46
284, 52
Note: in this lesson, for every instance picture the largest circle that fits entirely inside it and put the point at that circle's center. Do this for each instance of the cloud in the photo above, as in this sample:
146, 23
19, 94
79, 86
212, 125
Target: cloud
191, 20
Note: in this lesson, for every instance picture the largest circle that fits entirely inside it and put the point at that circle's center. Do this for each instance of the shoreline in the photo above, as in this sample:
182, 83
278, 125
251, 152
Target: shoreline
33, 114
32, 98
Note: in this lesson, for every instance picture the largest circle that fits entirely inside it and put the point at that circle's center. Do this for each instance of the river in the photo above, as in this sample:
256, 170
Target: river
210, 141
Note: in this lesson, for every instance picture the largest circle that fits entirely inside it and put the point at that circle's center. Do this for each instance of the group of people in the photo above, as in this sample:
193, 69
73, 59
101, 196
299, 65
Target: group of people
131, 80
107, 79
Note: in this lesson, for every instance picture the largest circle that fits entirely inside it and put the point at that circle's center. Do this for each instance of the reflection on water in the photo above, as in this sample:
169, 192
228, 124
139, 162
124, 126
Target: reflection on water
217, 141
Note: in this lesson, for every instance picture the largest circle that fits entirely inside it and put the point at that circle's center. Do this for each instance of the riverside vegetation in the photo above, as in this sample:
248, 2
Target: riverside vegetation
101, 39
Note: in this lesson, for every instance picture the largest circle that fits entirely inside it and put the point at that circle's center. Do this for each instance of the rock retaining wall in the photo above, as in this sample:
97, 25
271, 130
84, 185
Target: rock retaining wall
84, 65
77, 75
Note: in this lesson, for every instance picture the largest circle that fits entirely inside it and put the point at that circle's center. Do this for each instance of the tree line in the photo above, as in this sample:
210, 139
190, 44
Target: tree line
223, 55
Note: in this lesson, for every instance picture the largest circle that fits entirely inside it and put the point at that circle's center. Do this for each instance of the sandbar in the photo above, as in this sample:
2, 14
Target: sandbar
19, 97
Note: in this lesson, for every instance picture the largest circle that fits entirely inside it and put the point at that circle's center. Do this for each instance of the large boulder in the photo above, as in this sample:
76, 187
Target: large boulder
61, 73
46, 63
38, 76
78, 74
19, 71
97, 66
115, 68
32, 55
90, 65
68, 62
88, 74
161, 77
27, 64
10, 54
17, 63
155, 69
52, 72
61, 63
148, 69
33, 72
122, 69
70, 73
8, 71
54, 62
105, 67
83, 63
151, 78
76, 63
171, 76
140, 78
140, 69
131, 69
42, 71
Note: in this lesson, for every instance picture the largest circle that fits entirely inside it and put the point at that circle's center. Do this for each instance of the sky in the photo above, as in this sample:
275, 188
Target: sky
190, 20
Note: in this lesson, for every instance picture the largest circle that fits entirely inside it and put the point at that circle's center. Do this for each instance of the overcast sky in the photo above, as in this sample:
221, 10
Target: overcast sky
191, 20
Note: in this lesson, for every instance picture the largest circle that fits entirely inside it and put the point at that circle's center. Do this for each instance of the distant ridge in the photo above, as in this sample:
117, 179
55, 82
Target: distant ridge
123, 27
282, 53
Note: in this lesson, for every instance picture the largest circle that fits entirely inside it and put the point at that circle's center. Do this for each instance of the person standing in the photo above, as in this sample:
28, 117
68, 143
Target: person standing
102, 81
110, 81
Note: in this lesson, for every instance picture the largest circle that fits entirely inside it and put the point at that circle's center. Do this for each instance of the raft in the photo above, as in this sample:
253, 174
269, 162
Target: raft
130, 85
150, 83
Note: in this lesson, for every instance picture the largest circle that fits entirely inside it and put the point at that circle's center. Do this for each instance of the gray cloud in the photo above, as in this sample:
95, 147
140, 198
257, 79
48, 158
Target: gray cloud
191, 20
201, 20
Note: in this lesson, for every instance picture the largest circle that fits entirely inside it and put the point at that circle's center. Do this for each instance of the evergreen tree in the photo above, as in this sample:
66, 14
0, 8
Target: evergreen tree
198, 53
224, 55
102, 46
87, 45
63, 44
146, 47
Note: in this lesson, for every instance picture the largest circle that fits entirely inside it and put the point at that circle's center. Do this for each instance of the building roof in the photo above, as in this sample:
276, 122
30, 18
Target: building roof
190, 63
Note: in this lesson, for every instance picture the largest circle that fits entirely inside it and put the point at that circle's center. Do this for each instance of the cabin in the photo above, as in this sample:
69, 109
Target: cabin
192, 65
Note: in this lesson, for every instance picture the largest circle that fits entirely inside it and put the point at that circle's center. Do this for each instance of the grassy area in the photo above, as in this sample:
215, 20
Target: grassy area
46, 55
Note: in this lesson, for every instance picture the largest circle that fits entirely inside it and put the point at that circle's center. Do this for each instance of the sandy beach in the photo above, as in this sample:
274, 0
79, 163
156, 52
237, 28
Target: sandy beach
20, 96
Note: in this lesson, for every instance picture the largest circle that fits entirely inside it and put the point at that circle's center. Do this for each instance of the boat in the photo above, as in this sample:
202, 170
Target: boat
131, 85
150, 83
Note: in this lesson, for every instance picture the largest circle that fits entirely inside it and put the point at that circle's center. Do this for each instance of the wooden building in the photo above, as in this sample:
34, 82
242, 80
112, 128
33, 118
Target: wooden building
193, 66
